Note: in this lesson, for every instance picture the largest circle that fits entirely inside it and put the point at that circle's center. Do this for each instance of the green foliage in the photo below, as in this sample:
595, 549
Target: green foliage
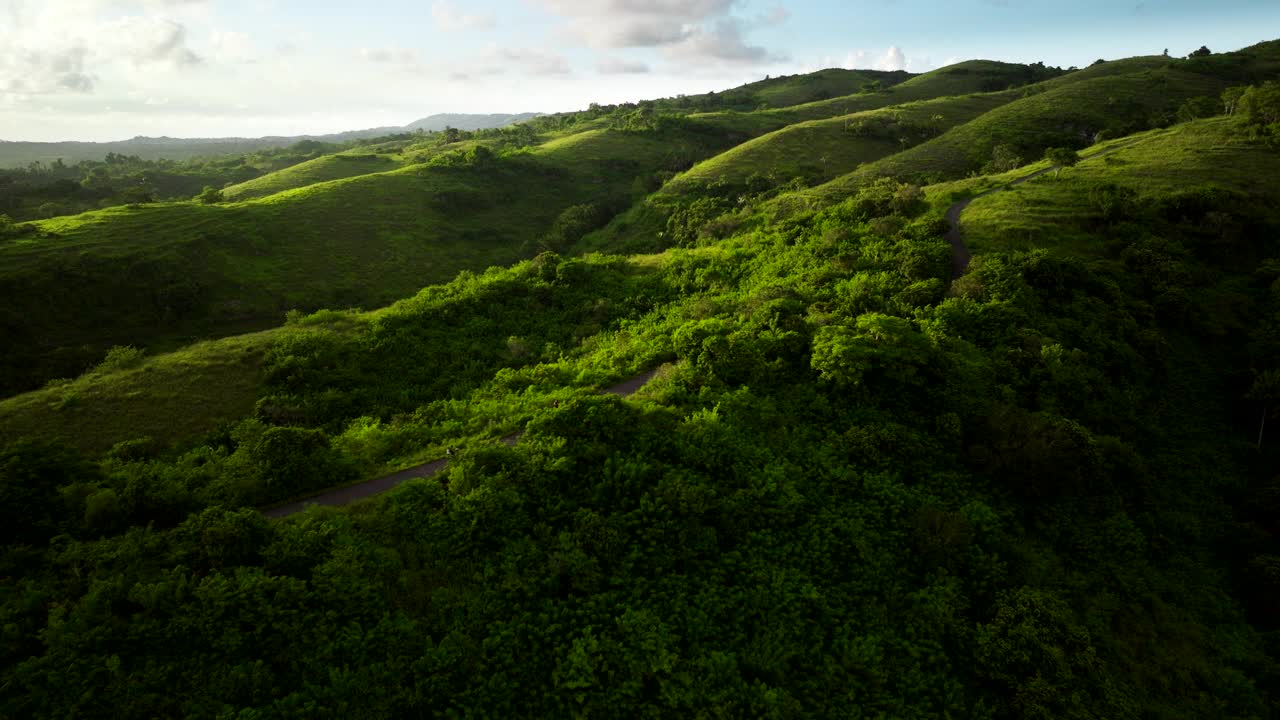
852, 486
1062, 157
120, 357
1260, 107
1003, 159
210, 195
31, 473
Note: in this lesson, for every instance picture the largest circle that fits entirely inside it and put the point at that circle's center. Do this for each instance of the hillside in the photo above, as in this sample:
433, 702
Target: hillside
849, 474
464, 121
153, 274
321, 169
20, 154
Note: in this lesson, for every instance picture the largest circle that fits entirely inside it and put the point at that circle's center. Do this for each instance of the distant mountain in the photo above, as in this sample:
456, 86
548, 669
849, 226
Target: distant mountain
18, 154
435, 123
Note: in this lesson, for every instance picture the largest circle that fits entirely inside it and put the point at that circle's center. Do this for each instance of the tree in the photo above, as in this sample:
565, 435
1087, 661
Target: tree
210, 195
1202, 52
31, 473
1260, 104
1003, 159
1062, 157
1231, 98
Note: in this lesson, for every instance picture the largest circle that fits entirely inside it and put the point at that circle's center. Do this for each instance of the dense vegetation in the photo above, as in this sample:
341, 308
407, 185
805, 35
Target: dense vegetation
855, 488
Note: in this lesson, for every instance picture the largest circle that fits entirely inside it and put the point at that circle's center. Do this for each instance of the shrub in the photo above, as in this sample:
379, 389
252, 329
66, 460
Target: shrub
1062, 157
120, 357
1003, 159
1112, 201
210, 195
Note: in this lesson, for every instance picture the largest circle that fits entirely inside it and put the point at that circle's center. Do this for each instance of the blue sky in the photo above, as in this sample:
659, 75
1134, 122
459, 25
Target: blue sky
112, 69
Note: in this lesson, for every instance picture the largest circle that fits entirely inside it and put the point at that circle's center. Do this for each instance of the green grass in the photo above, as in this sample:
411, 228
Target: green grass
158, 274
170, 398
1066, 113
1054, 210
827, 148
817, 86
973, 76
321, 169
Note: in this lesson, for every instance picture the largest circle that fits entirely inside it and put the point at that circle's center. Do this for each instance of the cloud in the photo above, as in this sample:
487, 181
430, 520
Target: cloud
447, 17
143, 40
687, 29
232, 47
497, 60
51, 47
35, 72
723, 42
389, 55
618, 66
891, 59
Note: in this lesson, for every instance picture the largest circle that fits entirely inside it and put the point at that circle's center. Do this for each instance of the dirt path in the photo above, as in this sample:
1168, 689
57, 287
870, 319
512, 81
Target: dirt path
369, 488
960, 254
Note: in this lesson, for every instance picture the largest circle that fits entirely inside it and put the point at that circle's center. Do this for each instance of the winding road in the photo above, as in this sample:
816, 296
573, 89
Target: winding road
359, 491
960, 254
960, 257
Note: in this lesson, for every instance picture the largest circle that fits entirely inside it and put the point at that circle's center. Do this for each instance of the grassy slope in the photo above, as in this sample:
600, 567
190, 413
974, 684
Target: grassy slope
635, 227
1059, 115
832, 82
321, 169
972, 76
590, 157
170, 398
1055, 209
147, 274
960, 79
827, 147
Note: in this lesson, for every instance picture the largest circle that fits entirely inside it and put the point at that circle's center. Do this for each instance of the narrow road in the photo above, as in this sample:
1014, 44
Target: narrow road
359, 491
960, 254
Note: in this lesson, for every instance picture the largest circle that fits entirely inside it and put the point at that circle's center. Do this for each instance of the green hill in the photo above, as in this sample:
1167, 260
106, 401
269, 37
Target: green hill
852, 484
1199, 160
964, 78
156, 274
818, 150
1068, 114
321, 169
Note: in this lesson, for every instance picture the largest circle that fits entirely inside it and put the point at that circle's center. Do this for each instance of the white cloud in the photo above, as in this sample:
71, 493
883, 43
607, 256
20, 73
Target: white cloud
448, 17
389, 55
723, 42
143, 40
497, 60
64, 47
891, 59
686, 29
232, 47
618, 66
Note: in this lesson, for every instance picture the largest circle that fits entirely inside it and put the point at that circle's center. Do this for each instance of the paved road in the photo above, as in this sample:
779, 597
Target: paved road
960, 257
369, 488
960, 254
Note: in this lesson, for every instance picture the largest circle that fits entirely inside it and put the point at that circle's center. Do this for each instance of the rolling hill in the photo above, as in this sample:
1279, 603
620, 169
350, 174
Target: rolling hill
854, 482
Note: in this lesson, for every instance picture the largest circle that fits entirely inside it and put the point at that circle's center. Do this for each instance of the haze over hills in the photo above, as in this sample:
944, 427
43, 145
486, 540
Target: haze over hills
948, 394
19, 154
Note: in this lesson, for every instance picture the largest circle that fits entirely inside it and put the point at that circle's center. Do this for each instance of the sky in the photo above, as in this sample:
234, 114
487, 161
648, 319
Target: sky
114, 69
